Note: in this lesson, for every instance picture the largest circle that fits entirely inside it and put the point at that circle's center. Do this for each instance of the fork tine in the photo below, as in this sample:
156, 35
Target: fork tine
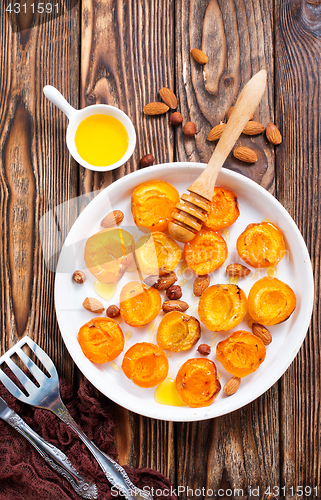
43, 357
32, 367
11, 386
21, 376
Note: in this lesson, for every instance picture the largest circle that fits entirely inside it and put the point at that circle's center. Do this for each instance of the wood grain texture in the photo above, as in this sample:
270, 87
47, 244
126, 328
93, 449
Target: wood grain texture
238, 39
35, 174
127, 57
298, 101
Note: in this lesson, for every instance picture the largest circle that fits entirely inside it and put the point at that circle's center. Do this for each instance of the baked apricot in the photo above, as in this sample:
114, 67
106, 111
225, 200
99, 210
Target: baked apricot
241, 353
101, 339
152, 204
197, 382
178, 332
145, 364
157, 251
261, 245
206, 252
109, 253
224, 209
271, 301
222, 307
139, 304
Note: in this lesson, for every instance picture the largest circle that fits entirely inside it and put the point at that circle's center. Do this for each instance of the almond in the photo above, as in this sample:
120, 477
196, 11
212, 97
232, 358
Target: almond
230, 112
199, 56
232, 386
245, 154
112, 219
273, 134
175, 305
200, 284
161, 283
155, 108
216, 132
237, 270
262, 333
253, 128
93, 305
168, 97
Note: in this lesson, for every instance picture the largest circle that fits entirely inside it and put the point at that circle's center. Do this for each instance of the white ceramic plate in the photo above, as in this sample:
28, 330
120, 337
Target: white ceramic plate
295, 269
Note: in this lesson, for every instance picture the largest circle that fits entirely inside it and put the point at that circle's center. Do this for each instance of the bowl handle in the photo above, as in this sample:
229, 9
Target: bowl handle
58, 99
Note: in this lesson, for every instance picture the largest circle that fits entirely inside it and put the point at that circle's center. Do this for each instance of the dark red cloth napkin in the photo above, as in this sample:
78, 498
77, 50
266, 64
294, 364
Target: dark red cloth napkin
24, 475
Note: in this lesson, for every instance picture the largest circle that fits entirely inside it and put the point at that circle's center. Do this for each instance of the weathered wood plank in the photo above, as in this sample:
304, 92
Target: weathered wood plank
238, 39
240, 450
36, 173
127, 55
298, 101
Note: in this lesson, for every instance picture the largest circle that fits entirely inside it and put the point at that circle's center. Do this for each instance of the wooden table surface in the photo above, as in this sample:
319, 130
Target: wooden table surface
121, 53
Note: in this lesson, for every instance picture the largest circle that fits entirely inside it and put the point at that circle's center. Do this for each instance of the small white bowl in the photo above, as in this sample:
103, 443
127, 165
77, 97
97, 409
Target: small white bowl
77, 116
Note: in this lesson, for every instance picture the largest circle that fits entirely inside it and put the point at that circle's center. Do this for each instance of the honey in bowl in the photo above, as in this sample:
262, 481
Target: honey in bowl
101, 140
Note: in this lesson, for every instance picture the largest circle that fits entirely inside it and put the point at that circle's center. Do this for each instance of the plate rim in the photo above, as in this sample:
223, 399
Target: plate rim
193, 414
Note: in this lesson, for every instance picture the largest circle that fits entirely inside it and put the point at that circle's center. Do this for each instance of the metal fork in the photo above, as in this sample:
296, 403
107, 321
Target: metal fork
47, 396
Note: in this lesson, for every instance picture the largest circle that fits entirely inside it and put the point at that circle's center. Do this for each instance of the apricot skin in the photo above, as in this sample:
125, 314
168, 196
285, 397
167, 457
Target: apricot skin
206, 252
178, 331
139, 304
145, 364
271, 301
152, 204
261, 245
101, 340
241, 353
224, 209
222, 307
197, 382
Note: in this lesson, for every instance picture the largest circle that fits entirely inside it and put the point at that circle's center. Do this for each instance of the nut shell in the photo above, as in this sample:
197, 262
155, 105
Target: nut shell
237, 270
113, 311
168, 97
93, 305
79, 277
204, 349
176, 118
200, 284
216, 132
253, 128
273, 134
199, 56
174, 292
155, 108
112, 219
175, 305
232, 386
245, 154
147, 160
189, 129
262, 333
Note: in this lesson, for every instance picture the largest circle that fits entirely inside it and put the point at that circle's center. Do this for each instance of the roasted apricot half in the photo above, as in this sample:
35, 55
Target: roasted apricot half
224, 209
178, 331
197, 382
261, 245
222, 307
145, 364
241, 353
139, 304
206, 252
152, 204
271, 301
101, 339
157, 251
109, 253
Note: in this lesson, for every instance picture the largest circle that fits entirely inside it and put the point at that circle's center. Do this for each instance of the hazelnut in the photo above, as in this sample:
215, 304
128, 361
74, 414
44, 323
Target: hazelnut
113, 311
176, 118
174, 292
189, 129
147, 160
204, 349
79, 277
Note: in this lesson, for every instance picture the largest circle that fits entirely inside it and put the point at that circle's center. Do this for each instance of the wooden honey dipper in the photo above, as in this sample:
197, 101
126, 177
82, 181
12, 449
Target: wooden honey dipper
190, 214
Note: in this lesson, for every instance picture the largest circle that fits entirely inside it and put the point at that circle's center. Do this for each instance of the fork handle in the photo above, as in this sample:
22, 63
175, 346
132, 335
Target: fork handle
54, 457
114, 472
